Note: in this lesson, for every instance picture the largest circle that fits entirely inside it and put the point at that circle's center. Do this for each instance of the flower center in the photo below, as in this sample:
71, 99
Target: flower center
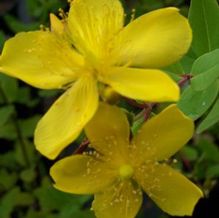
126, 171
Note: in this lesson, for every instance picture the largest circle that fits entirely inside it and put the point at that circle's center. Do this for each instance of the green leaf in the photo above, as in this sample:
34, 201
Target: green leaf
176, 68
190, 153
199, 171
7, 180
24, 199
14, 198
51, 199
205, 62
204, 17
211, 119
5, 114
204, 80
206, 70
187, 62
28, 175
28, 125
24, 97
7, 203
7, 160
195, 103
9, 88
213, 172
30, 150
209, 150
8, 132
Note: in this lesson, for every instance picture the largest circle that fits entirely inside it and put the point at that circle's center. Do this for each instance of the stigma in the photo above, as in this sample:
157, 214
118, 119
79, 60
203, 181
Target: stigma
126, 171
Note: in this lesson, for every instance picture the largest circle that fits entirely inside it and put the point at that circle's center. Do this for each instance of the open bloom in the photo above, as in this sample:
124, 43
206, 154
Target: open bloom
93, 46
118, 170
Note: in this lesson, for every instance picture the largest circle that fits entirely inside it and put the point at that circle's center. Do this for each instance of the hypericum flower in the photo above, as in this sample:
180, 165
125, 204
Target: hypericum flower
117, 170
93, 46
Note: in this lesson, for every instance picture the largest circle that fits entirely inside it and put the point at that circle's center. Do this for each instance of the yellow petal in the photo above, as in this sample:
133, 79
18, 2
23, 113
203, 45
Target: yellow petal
66, 118
148, 85
94, 23
163, 135
81, 174
170, 190
123, 200
154, 40
108, 132
56, 25
40, 59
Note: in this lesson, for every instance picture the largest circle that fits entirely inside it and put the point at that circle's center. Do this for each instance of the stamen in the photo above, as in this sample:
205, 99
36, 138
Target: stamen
62, 14
133, 14
43, 28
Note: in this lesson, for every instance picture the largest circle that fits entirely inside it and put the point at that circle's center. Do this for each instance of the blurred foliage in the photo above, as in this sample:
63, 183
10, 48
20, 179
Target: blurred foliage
25, 187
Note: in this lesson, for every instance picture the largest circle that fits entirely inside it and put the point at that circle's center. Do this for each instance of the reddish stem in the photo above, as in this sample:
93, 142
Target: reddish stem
148, 111
185, 78
135, 103
82, 147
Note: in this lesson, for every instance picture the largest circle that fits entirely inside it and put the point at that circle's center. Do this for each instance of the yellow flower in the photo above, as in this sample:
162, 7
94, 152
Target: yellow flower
92, 45
117, 170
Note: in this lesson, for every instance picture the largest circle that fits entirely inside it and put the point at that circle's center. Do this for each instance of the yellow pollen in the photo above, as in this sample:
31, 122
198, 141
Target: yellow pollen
126, 171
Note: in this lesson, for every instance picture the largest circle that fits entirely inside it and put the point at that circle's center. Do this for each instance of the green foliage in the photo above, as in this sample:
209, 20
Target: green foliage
14, 198
199, 98
50, 199
205, 166
189, 153
210, 119
203, 16
205, 70
195, 103
9, 87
